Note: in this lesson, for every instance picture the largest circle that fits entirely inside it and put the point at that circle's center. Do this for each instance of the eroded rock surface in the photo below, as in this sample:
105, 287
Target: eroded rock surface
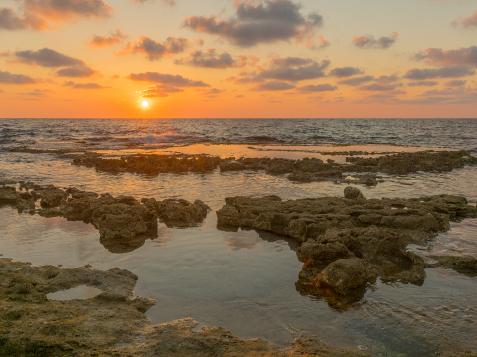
149, 164
303, 170
123, 222
112, 323
344, 243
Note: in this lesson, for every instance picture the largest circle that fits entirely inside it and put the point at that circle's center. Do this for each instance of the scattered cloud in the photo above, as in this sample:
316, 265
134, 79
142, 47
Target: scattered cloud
89, 85
317, 88
423, 84
155, 50
342, 72
210, 59
165, 84
435, 73
42, 14
466, 22
293, 69
456, 83
275, 86
257, 22
357, 81
371, 42
45, 57
108, 40
12, 78
466, 56
9, 20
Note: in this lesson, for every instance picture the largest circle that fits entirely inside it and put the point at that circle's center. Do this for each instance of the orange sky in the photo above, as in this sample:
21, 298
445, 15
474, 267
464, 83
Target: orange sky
237, 58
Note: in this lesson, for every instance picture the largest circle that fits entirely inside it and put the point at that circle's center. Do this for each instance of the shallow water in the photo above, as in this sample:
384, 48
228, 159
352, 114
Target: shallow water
241, 280
82, 292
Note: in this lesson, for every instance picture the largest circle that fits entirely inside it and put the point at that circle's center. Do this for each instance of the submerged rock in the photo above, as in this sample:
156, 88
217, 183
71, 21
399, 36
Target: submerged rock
331, 229
112, 323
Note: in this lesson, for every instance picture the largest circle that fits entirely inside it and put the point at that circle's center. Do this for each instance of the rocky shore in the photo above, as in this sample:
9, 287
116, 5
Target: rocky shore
303, 170
123, 222
346, 243
113, 323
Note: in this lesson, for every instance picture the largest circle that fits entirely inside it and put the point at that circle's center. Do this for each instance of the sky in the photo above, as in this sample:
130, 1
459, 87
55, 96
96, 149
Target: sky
238, 58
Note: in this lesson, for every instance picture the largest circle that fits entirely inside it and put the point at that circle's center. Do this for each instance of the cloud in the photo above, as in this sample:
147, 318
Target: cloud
12, 78
383, 84
75, 71
165, 84
342, 72
41, 14
317, 88
89, 85
368, 41
435, 73
45, 57
357, 81
275, 86
264, 21
109, 40
293, 69
456, 83
466, 22
423, 84
466, 56
9, 20
209, 59
156, 50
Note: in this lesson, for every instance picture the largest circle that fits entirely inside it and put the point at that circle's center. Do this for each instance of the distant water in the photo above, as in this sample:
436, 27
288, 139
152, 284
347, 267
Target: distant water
116, 134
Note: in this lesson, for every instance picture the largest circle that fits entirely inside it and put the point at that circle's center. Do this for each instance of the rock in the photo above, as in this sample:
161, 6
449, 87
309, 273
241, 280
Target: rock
123, 222
303, 170
113, 323
180, 213
464, 264
352, 193
329, 229
346, 276
8, 196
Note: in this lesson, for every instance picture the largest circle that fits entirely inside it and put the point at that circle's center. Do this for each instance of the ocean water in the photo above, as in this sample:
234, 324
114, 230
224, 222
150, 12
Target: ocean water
245, 281
95, 134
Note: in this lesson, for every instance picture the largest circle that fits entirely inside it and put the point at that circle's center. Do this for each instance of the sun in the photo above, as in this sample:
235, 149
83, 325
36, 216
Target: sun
145, 104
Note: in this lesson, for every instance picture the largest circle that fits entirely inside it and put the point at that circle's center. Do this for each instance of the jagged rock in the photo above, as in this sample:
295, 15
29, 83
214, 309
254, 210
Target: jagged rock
113, 323
465, 264
346, 276
123, 222
328, 229
303, 170
352, 193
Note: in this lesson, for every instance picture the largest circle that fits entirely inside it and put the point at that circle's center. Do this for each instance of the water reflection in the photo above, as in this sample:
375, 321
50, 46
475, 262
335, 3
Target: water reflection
245, 281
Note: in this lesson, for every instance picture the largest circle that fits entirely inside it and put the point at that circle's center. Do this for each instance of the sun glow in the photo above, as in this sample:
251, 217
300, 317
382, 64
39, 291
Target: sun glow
145, 104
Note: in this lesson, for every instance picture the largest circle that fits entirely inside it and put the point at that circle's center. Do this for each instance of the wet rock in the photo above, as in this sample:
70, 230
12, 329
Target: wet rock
405, 163
329, 229
346, 276
8, 196
303, 170
149, 164
465, 264
112, 323
123, 222
352, 193
181, 213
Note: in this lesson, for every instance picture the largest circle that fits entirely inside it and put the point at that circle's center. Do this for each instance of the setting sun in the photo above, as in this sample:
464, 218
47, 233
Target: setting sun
145, 104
